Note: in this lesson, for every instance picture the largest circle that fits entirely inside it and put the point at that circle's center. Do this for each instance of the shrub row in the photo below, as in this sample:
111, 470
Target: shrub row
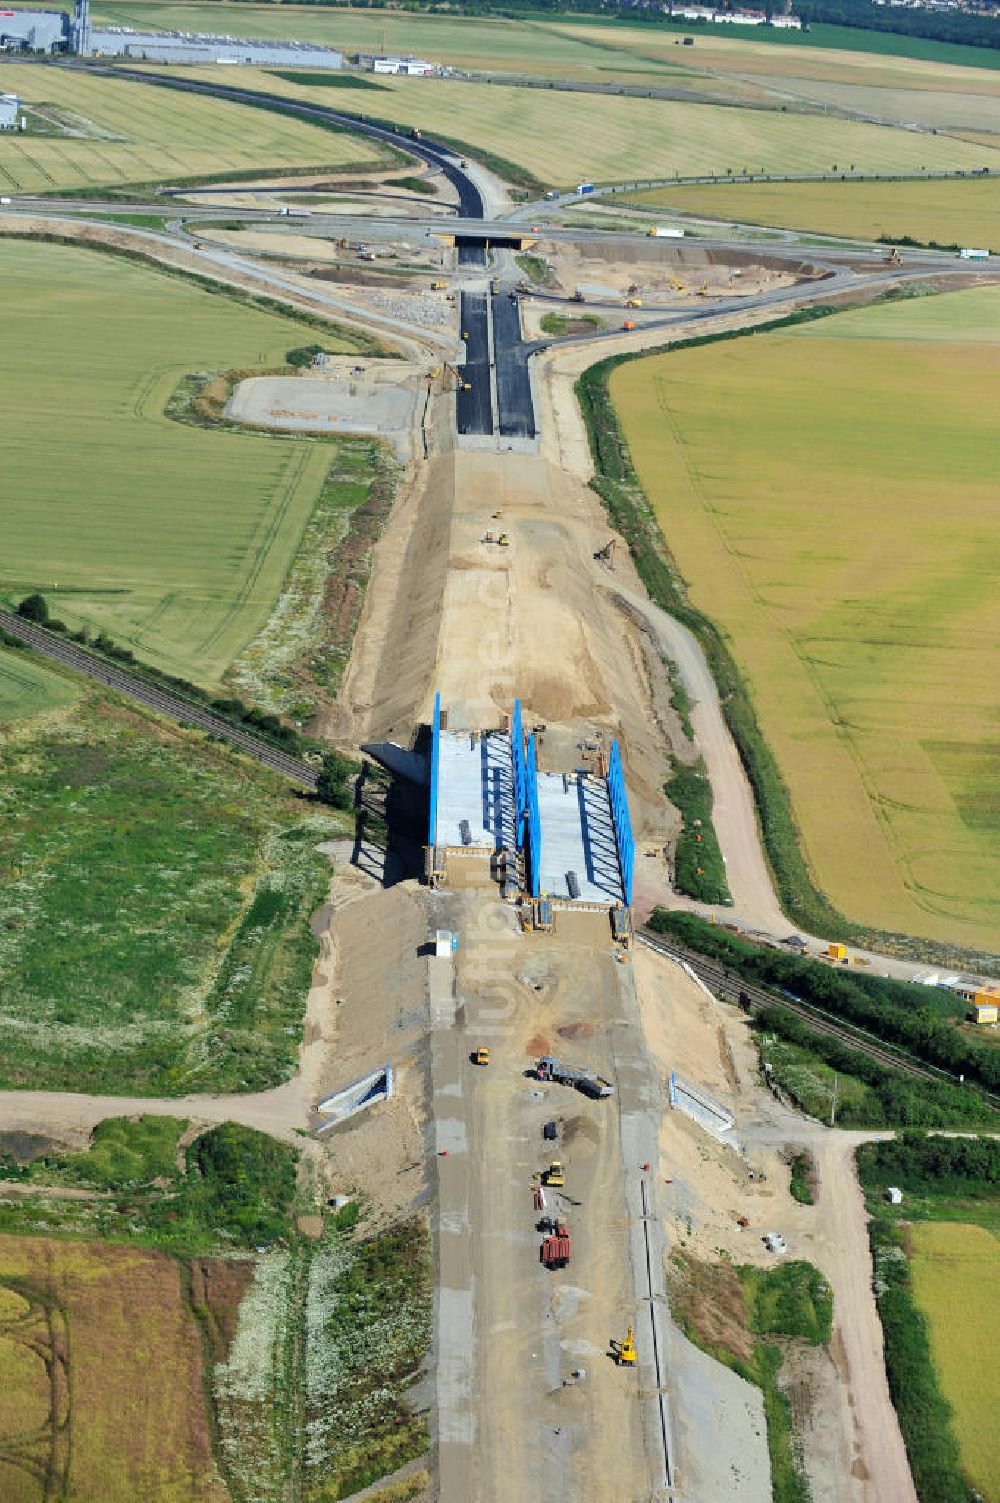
892, 1099
969, 1167
924, 1414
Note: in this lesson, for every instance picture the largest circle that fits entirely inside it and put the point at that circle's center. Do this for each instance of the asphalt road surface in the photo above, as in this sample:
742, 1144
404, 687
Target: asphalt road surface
516, 412
474, 408
434, 153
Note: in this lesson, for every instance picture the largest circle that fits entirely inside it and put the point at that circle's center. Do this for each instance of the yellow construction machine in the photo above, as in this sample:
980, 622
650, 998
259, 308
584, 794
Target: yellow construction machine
481, 1056
607, 553
894, 258
625, 1352
553, 1175
458, 377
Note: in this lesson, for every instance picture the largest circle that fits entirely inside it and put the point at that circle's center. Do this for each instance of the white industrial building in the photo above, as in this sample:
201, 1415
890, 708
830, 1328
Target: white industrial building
202, 47
401, 67
10, 107
57, 31
33, 30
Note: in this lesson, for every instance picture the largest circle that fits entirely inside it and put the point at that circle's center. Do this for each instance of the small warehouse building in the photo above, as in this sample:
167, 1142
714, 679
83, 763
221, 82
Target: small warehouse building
400, 67
894, 1195
983, 998
10, 111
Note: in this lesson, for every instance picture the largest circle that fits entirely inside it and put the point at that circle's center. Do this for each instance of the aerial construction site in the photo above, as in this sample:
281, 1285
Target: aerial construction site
568, 1102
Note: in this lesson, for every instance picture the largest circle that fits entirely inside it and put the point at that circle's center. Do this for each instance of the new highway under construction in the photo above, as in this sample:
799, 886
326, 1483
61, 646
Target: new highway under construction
509, 668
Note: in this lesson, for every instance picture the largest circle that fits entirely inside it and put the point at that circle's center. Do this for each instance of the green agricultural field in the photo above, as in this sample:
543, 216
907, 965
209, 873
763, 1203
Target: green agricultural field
174, 539
126, 132
468, 42
155, 898
829, 495
28, 689
955, 1273
963, 212
552, 135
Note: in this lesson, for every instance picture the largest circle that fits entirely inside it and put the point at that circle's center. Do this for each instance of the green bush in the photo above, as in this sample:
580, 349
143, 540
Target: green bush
699, 869
241, 1182
332, 784
34, 608
304, 355
966, 1166
801, 1183
124, 1154
793, 1299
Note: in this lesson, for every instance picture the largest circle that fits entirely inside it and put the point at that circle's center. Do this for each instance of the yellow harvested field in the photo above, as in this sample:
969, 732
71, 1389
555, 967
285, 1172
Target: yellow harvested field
133, 133
962, 212
830, 496
956, 1280
904, 90
729, 53
101, 1387
552, 134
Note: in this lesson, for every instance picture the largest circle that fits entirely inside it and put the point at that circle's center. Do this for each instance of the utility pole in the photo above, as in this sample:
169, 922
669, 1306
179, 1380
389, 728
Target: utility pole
833, 1100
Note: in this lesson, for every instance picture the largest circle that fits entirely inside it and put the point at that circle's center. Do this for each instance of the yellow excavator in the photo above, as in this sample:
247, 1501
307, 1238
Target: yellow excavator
893, 258
625, 1352
607, 553
458, 376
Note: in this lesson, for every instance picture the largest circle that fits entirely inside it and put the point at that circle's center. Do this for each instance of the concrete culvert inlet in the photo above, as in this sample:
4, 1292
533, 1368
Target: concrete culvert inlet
356, 1097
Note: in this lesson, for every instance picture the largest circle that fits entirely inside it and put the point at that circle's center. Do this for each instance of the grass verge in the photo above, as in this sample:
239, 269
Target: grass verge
314, 1400
747, 1318
563, 323
231, 1190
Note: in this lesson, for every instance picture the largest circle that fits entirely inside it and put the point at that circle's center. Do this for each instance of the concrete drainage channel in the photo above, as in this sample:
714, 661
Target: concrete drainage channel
357, 1097
658, 1352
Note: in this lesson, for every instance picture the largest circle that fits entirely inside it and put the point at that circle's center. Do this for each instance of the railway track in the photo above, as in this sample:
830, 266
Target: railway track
718, 979
92, 666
